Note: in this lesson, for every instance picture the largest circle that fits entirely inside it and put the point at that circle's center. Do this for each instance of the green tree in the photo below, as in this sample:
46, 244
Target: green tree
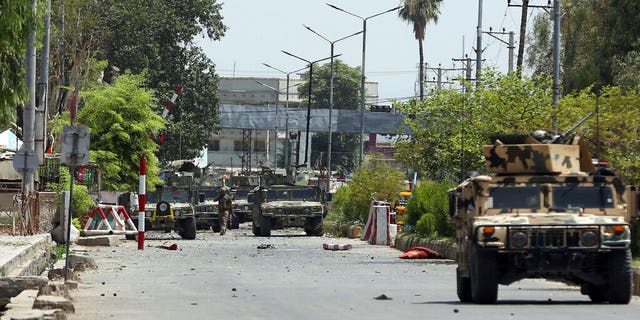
346, 93
15, 17
419, 13
540, 49
120, 118
595, 35
158, 37
450, 127
612, 133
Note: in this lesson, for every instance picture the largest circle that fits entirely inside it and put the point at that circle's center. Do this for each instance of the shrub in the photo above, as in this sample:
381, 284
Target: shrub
377, 180
427, 210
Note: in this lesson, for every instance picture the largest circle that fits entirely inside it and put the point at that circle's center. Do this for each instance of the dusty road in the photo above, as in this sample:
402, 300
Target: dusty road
290, 276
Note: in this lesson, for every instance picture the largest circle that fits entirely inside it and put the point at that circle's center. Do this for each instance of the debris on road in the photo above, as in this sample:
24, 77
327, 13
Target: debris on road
266, 246
331, 246
421, 253
382, 297
169, 246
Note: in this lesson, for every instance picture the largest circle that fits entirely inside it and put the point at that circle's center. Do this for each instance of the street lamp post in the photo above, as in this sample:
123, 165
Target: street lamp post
286, 124
311, 63
332, 43
364, 41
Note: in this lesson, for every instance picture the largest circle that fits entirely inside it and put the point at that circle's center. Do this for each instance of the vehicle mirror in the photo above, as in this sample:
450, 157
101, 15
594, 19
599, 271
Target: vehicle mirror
329, 196
251, 197
201, 197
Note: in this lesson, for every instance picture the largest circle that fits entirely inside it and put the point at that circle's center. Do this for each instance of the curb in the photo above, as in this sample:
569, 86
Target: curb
449, 249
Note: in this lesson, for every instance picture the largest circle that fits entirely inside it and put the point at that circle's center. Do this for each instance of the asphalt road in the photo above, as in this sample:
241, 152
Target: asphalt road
290, 276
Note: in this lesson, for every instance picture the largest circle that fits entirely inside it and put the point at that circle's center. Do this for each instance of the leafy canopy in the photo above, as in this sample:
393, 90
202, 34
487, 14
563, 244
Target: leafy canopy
120, 118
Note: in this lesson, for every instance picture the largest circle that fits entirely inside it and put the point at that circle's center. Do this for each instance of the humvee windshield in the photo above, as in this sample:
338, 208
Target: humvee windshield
582, 197
303, 194
170, 196
292, 194
514, 197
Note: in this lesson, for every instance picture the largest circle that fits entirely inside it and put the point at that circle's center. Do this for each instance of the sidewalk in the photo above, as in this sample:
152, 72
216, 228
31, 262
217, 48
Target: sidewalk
24, 255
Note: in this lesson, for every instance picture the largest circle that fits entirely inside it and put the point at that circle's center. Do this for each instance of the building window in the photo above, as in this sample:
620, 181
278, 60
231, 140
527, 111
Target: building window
237, 145
214, 145
260, 146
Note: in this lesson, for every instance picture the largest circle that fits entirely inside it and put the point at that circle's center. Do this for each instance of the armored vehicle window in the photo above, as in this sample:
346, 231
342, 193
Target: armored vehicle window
275, 195
167, 196
241, 193
582, 197
514, 197
303, 194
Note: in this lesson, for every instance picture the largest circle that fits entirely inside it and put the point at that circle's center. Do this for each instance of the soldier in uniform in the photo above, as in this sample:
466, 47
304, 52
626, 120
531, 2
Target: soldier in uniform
225, 205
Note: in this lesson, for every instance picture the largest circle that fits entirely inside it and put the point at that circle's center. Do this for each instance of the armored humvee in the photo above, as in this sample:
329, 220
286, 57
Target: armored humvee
282, 201
171, 205
543, 212
241, 186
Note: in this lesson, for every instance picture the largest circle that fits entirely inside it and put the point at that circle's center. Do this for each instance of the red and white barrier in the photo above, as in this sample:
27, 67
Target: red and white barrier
108, 219
142, 200
169, 105
378, 229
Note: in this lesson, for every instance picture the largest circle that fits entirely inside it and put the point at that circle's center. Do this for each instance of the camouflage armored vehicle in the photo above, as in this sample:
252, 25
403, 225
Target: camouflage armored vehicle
543, 212
286, 201
241, 186
171, 205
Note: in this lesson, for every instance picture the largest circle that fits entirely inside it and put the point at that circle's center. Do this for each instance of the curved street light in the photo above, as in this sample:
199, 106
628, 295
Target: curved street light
364, 41
332, 43
286, 157
311, 63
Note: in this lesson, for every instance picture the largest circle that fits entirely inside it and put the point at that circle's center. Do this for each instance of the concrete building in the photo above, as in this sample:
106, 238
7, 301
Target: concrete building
241, 146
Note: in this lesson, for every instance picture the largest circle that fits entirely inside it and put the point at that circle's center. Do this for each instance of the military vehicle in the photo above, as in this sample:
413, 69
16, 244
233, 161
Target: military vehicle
170, 206
543, 212
282, 201
241, 186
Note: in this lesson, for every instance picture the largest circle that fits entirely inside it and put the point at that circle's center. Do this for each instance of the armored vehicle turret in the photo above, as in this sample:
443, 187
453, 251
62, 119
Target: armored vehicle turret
542, 212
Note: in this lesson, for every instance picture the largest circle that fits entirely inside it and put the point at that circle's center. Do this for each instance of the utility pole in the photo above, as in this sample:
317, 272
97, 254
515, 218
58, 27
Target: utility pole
556, 47
556, 60
439, 71
510, 44
479, 44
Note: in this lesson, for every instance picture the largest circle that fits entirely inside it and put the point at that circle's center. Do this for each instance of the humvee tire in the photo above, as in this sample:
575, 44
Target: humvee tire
314, 227
464, 287
265, 227
620, 277
188, 228
484, 276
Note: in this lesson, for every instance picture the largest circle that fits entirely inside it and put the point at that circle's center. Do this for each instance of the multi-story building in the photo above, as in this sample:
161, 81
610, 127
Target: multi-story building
239, 147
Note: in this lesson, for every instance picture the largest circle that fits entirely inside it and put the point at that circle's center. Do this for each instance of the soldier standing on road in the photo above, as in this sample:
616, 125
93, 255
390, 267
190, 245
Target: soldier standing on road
225, 205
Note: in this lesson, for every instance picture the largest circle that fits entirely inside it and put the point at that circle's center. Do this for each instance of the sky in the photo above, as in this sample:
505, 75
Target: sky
259, 30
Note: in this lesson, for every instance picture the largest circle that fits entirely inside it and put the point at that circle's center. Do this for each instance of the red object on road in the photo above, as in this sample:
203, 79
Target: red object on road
421, 253
168, 246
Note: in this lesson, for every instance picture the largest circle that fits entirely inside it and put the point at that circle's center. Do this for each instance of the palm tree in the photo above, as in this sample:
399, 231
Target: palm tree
419, 13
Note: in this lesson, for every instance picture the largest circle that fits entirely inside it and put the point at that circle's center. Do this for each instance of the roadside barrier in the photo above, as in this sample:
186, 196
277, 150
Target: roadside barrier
109, 219
332, 246
380, 228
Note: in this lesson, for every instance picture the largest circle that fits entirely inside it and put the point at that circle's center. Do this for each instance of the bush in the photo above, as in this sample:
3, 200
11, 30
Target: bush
351, 204
427, 210
81, 201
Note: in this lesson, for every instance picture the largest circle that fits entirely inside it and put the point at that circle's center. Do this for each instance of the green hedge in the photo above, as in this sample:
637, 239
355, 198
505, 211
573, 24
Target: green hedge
427, 210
